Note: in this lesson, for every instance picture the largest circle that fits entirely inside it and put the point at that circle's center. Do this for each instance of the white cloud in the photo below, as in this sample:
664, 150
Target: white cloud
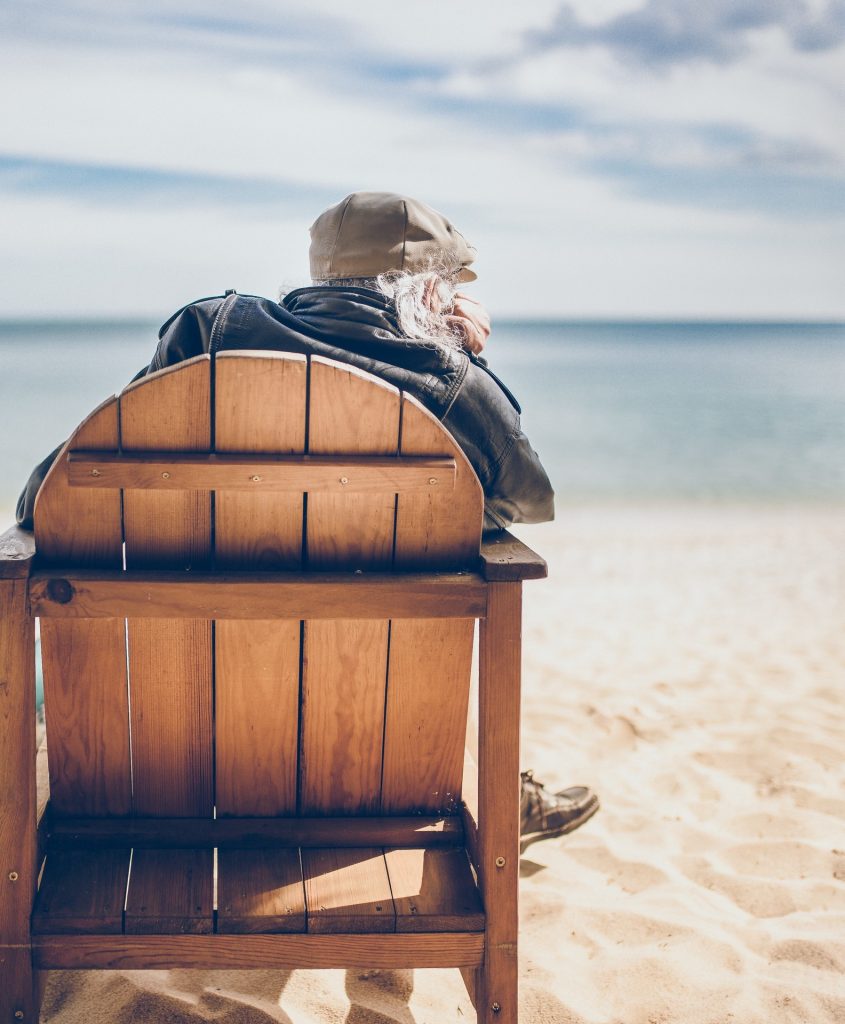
552, 165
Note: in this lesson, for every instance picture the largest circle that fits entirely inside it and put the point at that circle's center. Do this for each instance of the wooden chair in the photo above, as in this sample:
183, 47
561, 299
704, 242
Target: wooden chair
257, 578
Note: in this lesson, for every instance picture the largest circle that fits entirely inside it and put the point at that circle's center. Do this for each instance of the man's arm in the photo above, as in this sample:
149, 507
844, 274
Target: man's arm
520, 491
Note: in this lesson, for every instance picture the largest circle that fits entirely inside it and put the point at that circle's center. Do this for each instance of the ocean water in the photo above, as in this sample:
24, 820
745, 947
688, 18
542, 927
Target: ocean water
618, 411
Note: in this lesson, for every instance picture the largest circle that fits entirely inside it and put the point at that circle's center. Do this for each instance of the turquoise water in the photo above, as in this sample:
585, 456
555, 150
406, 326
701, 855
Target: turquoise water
618, 411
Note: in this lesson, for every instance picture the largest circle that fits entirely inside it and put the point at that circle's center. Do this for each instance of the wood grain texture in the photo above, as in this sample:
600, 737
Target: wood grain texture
252, 475
260, 402
82, 892
20, 996
84, 663
257, 717
355, 413
504, 558
170, 662
18, 991
433, 891
257, 833
168, 411
343, 676
170, 674
247, 952
252, 596
87, 709
170, 892
426, 715
17, 763
260, 891
440, 529
430, 660
260, 408
347, 891
345, 661
74, 527
17, 550
500, 652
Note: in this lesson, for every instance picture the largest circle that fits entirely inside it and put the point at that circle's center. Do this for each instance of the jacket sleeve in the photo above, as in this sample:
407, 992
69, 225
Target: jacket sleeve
520, 491
485, 421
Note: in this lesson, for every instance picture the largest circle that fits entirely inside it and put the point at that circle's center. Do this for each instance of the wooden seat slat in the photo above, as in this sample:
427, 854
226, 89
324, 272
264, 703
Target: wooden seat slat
433, 891
171, 892
347, 891
260, 891
82, 891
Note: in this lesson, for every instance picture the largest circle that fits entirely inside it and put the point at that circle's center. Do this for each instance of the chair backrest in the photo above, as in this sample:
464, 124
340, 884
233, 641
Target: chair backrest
184, 717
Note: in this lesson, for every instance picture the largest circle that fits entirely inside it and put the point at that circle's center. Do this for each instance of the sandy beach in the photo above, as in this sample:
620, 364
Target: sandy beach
688, 664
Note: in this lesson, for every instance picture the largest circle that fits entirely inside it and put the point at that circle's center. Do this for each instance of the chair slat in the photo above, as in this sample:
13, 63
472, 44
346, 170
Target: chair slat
433, 891
254, 474
257, 716
257, 663
437, 529
345, 661
170, 664
171, 892
426, 715
84, 662
82, 892
260, 891
259, 531
430, 660
347, 891
85, 693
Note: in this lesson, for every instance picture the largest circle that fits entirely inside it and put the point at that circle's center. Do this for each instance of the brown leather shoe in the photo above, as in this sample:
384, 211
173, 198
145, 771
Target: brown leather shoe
544, 815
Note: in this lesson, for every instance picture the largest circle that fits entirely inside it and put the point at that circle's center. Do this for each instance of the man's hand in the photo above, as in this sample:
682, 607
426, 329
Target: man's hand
471, 320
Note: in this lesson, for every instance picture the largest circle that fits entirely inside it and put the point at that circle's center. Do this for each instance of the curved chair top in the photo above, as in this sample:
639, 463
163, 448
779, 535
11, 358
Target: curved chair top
265, 460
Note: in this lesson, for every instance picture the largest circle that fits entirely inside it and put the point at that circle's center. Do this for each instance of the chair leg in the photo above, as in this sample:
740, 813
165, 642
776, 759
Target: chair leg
500, 655
18, 1000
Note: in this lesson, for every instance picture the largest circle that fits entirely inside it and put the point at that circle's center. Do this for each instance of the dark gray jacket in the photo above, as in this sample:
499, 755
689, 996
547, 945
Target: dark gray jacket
358, 326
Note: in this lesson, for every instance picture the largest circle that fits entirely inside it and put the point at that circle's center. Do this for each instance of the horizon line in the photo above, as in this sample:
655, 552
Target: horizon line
586, 319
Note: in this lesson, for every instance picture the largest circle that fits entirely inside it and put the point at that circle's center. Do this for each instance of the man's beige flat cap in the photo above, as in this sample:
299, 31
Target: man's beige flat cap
369, 233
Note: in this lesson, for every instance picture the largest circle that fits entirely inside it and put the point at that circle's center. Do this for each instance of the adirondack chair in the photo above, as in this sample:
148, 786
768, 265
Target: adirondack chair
257, 578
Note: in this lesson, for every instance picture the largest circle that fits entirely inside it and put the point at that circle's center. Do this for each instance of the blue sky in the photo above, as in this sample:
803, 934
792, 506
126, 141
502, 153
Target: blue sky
606, 157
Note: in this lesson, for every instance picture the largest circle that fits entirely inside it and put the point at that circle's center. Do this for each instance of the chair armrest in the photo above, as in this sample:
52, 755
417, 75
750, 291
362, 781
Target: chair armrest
506, 559
17, 550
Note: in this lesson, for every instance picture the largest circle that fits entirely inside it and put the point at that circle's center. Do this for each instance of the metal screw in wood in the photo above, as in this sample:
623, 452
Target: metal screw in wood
500, 862
344, 479
495, 1008
18, 1014
13, 876
432, 479
256, 479
95, 472
165, 476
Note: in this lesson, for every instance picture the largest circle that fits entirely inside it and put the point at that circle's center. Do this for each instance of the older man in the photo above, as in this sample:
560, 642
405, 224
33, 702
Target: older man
386, 270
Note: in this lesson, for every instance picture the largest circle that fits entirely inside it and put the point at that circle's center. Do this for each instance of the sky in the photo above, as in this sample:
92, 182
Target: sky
608, 158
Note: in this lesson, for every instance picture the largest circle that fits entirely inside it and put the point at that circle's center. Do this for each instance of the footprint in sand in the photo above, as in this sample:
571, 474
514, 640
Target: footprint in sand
802, 951
629, 875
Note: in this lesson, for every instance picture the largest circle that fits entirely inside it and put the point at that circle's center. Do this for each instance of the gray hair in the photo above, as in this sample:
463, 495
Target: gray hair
407, 293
